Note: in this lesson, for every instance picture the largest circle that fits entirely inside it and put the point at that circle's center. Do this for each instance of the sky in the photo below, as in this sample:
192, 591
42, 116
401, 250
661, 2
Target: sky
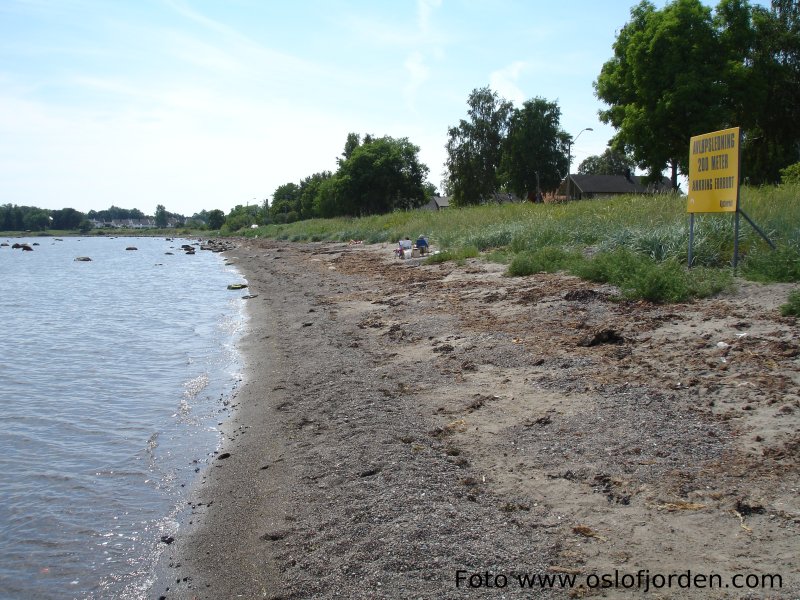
209, 104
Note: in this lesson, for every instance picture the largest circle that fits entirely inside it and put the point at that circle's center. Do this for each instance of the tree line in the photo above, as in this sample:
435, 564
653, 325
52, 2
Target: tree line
498, 148
32, 218
675, 72
374, 175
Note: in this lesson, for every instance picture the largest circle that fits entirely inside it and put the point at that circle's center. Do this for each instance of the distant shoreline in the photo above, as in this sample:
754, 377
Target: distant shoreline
174, 233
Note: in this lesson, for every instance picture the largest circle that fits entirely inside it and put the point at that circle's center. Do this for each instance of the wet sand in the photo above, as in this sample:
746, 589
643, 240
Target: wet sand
403, 427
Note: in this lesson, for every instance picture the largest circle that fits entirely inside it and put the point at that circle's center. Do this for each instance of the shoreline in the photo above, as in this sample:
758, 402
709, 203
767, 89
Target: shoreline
196, 555
398, 423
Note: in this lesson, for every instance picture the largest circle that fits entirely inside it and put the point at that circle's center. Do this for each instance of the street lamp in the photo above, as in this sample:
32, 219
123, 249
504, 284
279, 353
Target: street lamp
569, 157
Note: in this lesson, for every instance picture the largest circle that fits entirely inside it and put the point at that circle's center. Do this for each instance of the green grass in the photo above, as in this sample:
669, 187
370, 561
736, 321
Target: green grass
459, 255
637, 243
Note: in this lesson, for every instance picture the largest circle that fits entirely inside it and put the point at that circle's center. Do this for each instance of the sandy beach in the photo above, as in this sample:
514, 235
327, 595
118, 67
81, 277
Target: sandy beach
414, 431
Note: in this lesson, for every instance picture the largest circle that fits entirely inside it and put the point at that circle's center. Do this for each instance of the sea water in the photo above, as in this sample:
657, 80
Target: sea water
115, 374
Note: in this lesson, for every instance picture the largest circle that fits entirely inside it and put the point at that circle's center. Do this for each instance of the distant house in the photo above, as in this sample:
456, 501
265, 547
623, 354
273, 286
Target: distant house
578, 187
438, 203
502, 198
145, 223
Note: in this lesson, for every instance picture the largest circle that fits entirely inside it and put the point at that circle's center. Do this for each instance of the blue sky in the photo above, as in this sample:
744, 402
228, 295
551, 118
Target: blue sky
203, 104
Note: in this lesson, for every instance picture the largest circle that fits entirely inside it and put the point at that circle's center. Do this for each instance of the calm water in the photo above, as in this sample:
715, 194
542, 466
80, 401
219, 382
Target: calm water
114, 375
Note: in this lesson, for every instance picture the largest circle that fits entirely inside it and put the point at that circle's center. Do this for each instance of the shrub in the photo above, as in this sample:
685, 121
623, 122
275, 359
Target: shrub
791, 174
792, 307
656, 282
640, 277
546, 260
607, 267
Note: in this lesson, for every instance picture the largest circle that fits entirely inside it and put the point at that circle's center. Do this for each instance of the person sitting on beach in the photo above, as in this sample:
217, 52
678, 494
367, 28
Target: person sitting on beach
402, 246
422, 244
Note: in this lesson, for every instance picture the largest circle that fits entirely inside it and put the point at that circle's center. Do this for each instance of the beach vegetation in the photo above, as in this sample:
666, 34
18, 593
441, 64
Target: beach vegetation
547, 259
639, 244
792, 306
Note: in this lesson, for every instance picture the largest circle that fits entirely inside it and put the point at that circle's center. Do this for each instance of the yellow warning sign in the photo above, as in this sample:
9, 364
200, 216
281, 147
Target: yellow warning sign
714, 172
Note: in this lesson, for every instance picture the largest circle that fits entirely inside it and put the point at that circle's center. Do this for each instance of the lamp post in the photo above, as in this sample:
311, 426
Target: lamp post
569, 158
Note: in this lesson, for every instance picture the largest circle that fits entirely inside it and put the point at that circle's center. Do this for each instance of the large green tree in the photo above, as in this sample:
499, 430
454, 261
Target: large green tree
353, 142
285, 203
309, 189
37, 220
475, 148
66, 218
381, 175
115, 212
216, 218
535, 149
242, 217
161, 216
771, 105
664, 84
326, 200
609, 162
677, 72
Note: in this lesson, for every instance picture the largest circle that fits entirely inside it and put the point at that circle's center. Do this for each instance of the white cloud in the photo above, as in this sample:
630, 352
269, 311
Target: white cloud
504, 82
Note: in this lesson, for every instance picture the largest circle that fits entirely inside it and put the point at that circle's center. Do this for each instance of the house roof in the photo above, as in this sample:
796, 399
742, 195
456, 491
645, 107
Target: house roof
616, 184
438, 202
